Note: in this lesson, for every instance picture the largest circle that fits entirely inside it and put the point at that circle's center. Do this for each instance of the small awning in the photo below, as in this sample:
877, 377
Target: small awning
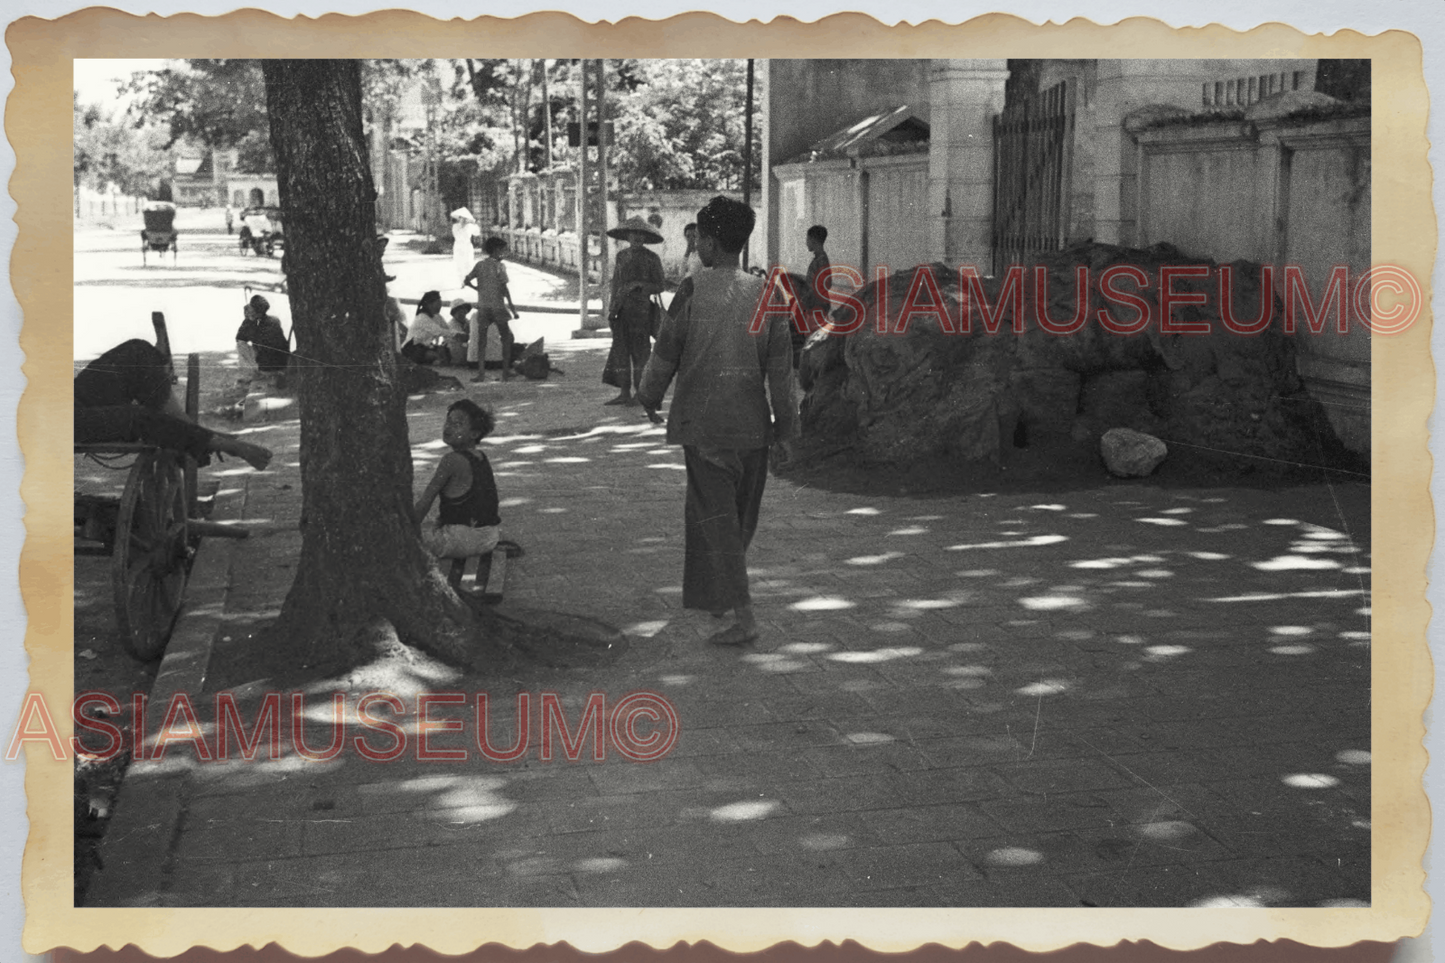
895, 131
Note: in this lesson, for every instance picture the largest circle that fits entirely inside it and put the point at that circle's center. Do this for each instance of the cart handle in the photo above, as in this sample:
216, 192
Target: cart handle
163, 342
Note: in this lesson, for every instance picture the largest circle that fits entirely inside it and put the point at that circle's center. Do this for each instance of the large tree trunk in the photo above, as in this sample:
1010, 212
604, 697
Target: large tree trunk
361, 556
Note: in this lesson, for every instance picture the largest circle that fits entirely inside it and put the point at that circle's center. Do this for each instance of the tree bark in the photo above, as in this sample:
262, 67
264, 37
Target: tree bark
361, 555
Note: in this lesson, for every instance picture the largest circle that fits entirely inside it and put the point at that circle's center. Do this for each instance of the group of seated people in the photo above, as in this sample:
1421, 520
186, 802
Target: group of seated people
431, 338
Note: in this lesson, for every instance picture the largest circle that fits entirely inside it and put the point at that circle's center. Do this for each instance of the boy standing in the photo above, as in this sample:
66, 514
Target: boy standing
494, 306
732, 402
691, 262
468, 522
812, 300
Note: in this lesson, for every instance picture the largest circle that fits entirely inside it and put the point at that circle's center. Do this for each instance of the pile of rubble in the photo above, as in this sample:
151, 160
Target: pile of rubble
926, 392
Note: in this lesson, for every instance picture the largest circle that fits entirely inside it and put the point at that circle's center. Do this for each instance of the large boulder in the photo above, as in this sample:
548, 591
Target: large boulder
926, 392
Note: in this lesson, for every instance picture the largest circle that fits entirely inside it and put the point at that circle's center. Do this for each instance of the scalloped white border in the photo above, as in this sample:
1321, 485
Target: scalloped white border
1425, 18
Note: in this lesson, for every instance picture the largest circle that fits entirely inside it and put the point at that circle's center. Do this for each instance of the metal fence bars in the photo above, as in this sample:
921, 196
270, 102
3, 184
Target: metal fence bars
1031, 157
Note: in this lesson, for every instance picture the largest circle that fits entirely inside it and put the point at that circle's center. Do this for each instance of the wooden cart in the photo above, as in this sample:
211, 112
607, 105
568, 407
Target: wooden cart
159, 233
151, 531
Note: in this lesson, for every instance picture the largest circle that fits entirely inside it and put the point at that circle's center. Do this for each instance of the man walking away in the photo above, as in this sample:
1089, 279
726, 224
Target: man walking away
731, 403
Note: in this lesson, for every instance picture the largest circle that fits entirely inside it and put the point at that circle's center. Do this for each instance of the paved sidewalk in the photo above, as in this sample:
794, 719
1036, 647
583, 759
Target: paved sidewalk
1124, 695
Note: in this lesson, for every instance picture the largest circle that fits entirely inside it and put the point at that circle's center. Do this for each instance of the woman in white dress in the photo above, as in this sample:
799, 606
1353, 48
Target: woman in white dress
464, 228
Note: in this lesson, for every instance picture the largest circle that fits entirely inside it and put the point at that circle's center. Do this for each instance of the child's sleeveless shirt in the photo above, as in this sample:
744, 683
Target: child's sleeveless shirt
478, 505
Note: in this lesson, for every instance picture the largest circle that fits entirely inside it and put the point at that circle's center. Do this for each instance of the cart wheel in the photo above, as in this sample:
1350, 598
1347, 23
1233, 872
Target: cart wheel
151, 555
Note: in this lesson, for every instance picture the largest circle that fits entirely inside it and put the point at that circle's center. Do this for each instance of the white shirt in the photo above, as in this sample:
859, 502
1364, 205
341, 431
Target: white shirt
427, 328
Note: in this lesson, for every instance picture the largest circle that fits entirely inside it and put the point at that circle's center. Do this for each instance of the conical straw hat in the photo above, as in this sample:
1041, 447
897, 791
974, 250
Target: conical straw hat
638, 225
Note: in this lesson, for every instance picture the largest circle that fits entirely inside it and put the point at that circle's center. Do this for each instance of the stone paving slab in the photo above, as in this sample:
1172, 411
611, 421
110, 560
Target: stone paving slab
1120, 695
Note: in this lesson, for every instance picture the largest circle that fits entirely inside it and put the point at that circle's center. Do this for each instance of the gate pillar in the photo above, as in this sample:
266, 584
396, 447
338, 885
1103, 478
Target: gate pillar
964, 95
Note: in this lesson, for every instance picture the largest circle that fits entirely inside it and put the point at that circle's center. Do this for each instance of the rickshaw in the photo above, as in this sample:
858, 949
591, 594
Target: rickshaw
261, 231
159, 233
151, 530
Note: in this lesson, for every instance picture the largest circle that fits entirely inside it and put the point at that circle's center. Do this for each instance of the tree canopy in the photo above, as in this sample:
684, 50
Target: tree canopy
682, 126
218, 104
677, 123
108, 152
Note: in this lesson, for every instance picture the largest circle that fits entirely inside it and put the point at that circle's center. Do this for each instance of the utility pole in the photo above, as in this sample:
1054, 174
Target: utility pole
592, 188
748, 150
546, 114
512, 102
432, 98
604, 271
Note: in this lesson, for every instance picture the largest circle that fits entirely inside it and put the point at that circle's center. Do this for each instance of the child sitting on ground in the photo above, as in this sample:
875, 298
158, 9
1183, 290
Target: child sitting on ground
468, 522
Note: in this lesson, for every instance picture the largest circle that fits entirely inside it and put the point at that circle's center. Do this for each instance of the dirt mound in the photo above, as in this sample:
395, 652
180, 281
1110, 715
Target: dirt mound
943, 388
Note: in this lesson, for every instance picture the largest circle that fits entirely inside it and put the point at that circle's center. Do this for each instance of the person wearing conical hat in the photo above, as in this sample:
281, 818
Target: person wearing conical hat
635, 280
464, 228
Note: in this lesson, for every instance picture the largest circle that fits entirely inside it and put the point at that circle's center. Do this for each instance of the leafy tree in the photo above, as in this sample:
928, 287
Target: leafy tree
217, 104
89, 155
681, 124
677, 123
116, 154
502, 93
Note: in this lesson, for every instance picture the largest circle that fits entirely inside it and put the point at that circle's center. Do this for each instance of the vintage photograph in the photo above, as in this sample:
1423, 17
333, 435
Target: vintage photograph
723, 483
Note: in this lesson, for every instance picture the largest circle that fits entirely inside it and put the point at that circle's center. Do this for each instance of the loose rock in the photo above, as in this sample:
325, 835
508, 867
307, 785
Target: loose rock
1131, 454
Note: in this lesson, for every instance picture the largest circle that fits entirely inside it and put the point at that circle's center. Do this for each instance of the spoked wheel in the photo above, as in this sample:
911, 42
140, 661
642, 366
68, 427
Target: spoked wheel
151, 554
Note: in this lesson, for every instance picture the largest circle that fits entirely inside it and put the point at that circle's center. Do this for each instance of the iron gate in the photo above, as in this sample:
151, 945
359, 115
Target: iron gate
1030, 163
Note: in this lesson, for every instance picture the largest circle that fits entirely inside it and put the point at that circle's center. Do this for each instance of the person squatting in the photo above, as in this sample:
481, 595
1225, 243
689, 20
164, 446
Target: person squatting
469, 521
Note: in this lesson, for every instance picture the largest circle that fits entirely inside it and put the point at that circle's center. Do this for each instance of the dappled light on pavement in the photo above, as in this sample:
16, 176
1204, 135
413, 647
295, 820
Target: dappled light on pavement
740, 811
1118, 696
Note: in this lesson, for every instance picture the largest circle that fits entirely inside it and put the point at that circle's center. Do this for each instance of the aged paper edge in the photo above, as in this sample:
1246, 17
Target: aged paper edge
1404, 233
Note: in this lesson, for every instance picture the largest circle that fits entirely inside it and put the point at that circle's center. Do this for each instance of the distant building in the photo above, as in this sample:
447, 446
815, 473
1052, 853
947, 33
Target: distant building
209, 179
194, 182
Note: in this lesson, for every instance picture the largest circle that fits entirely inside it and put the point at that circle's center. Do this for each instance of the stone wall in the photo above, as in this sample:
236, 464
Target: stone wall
1281, 192
669, 212
1102, 187
537, 217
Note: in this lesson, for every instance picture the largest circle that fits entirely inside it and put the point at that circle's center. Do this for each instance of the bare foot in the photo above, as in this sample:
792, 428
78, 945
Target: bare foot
734, 635
254, 455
